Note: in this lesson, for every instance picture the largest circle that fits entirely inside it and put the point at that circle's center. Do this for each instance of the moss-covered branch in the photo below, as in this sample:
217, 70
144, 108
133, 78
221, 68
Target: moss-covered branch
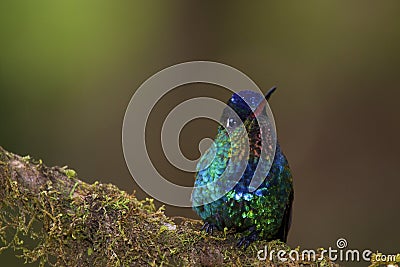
50, 216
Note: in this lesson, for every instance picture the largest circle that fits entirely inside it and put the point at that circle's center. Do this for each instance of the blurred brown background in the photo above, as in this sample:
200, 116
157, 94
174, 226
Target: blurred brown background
69, 69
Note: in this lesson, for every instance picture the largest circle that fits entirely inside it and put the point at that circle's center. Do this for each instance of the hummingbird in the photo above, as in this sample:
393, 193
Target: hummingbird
262, 213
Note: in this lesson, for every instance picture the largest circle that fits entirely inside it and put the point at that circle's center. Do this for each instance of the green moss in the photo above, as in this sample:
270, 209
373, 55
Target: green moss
61, 221
70, 173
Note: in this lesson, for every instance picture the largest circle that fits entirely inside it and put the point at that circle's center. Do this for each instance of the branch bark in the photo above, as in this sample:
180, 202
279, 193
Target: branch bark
50, 216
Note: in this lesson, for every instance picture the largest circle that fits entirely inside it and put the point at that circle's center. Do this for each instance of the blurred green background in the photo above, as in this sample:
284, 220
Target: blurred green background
69, 68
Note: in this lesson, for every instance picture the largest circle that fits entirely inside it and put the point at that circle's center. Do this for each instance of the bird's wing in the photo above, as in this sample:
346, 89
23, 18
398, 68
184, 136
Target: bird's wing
286, 221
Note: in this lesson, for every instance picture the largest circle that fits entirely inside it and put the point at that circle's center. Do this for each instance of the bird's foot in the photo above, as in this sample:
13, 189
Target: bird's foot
248, 239
208, 228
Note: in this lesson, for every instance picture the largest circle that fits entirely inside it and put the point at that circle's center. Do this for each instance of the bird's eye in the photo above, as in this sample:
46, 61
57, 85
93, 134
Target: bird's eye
230, 122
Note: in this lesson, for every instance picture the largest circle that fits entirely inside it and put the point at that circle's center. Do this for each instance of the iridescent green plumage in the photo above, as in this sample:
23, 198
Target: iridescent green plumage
264, 211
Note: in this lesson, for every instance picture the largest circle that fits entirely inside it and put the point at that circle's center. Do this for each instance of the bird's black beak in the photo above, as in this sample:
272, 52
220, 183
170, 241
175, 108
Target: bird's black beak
261, 106
269, 93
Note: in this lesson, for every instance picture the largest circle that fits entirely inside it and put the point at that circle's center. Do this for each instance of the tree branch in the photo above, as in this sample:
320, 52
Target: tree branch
50, 216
